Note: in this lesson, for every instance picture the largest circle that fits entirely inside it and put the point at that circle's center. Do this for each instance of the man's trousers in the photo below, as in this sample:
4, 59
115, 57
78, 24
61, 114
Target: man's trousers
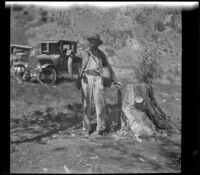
93, 89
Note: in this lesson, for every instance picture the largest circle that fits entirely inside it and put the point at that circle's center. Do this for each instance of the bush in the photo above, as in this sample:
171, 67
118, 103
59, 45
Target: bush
26, 13
110, 52
159, 26
148, 68
17, 8
140, 19
44, 15
154, 37
173, 74
170, 78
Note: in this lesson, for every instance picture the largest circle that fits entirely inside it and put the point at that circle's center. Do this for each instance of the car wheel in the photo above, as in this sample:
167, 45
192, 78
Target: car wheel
48, 76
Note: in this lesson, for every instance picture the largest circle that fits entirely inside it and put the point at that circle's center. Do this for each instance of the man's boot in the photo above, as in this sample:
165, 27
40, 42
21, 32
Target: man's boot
86, 132
98, 133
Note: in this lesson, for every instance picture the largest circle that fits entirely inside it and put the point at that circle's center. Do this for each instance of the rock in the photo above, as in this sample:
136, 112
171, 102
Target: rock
138, 139
67, 169
141, 159
177, 99
95, 157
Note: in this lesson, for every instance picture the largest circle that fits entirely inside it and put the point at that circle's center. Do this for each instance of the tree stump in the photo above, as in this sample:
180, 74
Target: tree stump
113, 111
143, 114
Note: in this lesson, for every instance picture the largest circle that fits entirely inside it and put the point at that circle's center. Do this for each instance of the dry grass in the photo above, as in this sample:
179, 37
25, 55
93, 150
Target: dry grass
45, 125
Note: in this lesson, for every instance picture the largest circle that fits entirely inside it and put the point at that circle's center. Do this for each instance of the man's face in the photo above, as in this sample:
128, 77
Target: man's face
84, 45
93, 45
79, 48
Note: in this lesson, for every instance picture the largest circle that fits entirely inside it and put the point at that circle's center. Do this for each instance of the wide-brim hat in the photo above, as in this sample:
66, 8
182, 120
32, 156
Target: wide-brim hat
94, 38
139, 99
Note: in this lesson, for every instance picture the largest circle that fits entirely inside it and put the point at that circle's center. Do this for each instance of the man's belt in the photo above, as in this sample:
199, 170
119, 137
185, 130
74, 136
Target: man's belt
92, 72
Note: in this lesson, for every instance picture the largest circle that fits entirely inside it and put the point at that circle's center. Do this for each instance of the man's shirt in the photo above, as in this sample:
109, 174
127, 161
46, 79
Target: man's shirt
105, 63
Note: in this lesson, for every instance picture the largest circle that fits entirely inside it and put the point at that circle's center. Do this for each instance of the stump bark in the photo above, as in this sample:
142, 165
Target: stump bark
142, 111
113, 111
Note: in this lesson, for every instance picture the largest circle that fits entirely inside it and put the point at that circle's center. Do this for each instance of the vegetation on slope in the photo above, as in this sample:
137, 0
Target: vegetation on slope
123, 31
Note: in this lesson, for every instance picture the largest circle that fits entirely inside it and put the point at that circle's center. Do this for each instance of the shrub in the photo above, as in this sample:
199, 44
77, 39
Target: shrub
170, 78
110, 52
154, 37
147, 67
159, 26
44, 15
140, 19
26, 13
173, 74
17, 8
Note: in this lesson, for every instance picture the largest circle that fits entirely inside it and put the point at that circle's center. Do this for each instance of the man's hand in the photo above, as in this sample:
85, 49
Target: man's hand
80, 76
118, 84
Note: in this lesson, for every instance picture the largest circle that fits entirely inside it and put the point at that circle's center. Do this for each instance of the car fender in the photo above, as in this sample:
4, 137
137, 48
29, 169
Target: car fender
19, 65
48, 65
19, 68
45, 66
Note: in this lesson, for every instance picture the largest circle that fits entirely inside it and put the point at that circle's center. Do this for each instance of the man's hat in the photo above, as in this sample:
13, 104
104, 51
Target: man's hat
94, 38
139, 99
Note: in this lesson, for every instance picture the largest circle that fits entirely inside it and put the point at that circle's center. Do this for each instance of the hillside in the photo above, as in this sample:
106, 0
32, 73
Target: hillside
122, 30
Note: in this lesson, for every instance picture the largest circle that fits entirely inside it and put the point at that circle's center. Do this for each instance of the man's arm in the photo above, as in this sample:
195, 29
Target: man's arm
70, 65
111, 70
85, 58
108, 65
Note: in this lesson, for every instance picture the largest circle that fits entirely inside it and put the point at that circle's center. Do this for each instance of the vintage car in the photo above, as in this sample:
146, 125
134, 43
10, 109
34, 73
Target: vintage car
52, 63
19, 58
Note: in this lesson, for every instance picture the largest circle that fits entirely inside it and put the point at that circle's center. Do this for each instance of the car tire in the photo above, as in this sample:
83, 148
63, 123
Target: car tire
47, 76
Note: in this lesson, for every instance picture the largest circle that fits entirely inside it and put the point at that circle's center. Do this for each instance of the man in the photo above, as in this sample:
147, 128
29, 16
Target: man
17, 70
70, 56
93, 60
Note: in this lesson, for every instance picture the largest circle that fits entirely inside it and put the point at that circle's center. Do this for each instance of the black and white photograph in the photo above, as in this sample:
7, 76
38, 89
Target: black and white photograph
95, 87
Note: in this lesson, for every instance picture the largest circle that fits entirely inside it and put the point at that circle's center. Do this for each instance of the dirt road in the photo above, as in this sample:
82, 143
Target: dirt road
46, 136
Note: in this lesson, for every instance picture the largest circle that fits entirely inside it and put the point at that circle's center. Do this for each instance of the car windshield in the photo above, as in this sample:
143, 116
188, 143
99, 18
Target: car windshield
20, 50
45, 47
50, 48
57, 47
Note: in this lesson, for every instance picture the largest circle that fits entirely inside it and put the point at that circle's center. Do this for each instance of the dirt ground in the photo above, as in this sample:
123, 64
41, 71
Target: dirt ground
46, 134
